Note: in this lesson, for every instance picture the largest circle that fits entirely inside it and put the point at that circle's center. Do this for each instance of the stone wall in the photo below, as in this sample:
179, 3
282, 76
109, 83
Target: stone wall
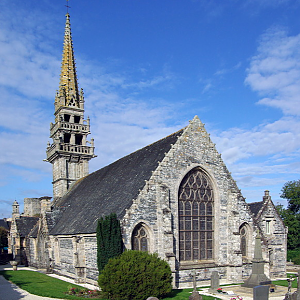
274, 236
157, 207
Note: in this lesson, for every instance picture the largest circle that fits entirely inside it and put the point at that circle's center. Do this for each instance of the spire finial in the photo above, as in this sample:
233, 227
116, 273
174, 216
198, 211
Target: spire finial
67, 6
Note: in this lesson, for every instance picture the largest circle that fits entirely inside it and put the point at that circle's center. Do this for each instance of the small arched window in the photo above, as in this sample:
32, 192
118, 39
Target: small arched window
196, 211
244, 234
140, 238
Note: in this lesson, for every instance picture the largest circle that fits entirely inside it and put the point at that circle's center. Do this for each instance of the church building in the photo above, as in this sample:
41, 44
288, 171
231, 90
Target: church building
174, 197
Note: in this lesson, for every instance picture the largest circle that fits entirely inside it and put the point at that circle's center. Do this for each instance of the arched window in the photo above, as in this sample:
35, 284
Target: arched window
244, 239
196, 207
140, 238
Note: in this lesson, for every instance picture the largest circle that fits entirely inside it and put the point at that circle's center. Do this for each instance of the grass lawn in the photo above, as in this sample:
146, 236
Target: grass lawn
46, 286
184, 295
40, 284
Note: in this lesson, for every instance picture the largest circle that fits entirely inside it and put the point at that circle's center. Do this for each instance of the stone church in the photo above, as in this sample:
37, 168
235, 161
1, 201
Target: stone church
175, 197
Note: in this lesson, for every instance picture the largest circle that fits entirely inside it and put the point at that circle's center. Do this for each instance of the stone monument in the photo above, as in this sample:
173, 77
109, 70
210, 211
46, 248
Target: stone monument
195, 294
214, 282
257, 276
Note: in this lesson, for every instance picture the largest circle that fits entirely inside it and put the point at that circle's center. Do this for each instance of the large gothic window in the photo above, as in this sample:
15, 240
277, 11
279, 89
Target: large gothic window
196, 206
140, 238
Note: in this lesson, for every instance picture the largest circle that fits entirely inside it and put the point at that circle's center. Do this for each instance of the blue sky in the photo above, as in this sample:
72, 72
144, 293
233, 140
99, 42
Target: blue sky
147, 67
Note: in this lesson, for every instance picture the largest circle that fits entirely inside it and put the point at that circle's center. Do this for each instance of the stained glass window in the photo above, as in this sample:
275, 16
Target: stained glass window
196, 204
140, 238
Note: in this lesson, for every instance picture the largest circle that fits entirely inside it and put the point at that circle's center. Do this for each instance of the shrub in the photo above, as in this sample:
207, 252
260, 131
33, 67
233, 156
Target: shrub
135, 275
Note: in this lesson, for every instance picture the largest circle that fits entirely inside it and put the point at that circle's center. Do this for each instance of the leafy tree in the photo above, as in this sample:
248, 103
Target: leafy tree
135, 275
292, 222
291, 214
3, 238
291, 192
109, 240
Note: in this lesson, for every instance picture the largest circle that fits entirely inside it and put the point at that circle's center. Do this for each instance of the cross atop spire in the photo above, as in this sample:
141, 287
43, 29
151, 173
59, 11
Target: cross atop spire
67, 6
68, 93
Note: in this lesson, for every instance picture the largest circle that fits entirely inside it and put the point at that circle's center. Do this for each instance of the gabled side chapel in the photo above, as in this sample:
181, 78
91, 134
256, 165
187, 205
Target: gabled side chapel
174, 197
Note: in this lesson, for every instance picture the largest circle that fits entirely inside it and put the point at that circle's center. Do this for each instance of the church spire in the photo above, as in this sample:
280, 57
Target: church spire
70, 151
68, 93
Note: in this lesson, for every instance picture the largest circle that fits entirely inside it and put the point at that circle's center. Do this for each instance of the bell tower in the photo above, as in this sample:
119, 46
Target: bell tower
70, 151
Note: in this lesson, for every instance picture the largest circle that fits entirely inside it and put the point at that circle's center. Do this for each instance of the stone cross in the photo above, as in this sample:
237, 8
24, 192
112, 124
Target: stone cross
195, 294
193, 273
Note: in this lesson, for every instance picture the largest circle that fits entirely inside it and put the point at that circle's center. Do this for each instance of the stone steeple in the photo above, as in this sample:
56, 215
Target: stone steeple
68, 94
69, 153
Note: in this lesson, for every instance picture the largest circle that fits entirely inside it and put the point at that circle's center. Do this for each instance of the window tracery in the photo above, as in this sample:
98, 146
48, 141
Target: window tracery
140, 238
196, 212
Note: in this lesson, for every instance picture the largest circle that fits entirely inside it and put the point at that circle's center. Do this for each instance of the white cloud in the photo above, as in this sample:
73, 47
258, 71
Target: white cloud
120, 123
274, 71
268, 155
282, 136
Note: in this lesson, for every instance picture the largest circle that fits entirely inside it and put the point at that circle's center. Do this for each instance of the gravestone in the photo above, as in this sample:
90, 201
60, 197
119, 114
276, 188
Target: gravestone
214, 282
257, 276
261, 292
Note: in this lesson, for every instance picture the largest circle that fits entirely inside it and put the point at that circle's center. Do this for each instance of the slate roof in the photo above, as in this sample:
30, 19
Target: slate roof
108, 190
4, 223
50, 223
255, 207
25, 224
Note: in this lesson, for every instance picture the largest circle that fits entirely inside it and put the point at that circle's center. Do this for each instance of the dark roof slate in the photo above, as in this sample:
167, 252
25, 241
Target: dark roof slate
108, 190
4, 223
25, 224
34, 231
255, 207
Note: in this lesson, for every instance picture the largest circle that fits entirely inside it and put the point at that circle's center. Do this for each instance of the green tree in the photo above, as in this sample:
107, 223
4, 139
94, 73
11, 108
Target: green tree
3, 238
291, 192
291, 214
290, 220
109, 240
135, 275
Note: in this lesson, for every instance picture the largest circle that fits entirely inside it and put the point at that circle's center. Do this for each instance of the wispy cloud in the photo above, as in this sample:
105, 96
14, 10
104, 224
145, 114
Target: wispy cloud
269, 154
275, 71
224, 71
